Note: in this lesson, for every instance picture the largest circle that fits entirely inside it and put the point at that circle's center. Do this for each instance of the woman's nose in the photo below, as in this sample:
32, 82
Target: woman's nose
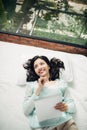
39, 67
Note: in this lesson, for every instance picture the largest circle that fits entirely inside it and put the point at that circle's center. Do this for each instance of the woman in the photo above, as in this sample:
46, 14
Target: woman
43, 76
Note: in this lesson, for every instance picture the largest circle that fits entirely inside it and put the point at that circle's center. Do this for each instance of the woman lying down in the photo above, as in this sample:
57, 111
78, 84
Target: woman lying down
43, 79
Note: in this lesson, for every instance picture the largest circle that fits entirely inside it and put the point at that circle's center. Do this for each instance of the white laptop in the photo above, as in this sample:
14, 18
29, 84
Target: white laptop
45, 107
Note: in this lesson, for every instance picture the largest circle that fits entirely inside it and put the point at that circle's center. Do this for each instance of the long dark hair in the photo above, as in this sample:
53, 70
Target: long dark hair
54, 64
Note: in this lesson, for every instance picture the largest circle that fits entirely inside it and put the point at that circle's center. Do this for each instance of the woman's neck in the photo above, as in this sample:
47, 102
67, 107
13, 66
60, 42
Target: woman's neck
47, 78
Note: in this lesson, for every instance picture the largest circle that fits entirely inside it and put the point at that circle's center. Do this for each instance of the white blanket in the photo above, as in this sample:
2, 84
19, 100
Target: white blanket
12, 84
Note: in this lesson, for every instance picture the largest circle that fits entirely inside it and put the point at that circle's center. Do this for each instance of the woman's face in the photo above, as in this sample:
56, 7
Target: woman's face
41, 68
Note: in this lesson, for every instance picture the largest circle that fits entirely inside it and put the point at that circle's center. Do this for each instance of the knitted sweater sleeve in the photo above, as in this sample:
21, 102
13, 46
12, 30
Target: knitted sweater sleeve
67, 98
28, 103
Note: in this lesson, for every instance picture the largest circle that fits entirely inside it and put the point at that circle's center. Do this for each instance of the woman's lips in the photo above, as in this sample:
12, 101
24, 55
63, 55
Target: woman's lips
41, 71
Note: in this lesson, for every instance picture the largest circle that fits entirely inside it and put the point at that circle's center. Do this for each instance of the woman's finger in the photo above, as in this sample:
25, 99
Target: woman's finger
61, 106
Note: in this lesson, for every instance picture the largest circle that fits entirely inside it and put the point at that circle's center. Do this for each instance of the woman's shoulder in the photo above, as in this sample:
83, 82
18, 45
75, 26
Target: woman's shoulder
32, 83
62, 84
30, 86
61, 81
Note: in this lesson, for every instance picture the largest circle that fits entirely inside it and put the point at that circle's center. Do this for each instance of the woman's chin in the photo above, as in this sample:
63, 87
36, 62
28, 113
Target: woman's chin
42, 75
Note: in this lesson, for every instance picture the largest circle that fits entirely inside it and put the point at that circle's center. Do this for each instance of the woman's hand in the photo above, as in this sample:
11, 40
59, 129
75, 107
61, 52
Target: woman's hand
41, 82
61, 106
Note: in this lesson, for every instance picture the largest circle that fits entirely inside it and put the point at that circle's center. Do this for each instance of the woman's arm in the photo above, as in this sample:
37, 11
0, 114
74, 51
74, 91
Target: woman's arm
69, 101
67, 105
28, 104
31, 95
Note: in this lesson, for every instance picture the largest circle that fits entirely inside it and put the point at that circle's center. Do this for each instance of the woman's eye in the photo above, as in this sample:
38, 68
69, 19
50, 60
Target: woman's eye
35, 66
41, 63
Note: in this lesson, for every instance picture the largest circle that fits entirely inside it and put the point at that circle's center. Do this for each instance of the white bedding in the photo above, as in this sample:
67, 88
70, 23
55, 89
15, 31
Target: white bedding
12, 83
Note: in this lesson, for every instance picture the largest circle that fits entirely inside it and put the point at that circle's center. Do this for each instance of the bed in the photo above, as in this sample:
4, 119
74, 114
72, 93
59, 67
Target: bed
13, 82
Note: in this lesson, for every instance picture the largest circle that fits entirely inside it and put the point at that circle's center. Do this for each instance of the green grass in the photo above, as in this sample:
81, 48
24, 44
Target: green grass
65, 38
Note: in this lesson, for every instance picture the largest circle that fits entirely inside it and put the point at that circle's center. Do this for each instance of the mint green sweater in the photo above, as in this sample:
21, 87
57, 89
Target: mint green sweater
29, 106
